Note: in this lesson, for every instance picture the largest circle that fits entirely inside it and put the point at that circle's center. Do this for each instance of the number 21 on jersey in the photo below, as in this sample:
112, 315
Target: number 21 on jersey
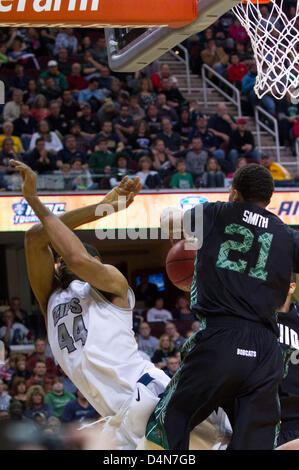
258, 271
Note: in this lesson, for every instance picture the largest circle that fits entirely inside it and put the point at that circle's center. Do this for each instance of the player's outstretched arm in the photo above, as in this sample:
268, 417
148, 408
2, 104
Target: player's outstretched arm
68, 245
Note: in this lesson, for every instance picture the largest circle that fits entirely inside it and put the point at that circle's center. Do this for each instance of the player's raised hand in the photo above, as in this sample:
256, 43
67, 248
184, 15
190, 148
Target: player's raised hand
127, 188
29, 178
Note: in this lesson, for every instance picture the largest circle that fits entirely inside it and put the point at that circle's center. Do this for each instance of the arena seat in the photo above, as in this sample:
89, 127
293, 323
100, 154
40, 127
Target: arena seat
157, 328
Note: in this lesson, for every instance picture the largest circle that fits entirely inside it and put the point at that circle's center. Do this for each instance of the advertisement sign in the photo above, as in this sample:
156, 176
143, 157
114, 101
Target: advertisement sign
97, 13
17, 216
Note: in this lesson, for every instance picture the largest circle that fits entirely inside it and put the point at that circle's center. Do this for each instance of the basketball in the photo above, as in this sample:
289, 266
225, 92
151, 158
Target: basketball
180, 265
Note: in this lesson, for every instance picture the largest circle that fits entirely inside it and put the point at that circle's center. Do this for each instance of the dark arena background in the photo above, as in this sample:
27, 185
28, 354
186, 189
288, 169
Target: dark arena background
184, 123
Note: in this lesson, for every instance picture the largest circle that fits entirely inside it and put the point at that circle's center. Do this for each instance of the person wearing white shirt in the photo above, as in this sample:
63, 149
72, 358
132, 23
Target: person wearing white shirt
13, 332
158, 313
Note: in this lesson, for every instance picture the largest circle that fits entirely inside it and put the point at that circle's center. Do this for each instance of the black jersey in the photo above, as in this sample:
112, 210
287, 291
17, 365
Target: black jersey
245, 263
289, 338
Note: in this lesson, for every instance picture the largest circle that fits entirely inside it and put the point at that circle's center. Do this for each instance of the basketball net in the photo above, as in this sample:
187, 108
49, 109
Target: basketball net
274, 41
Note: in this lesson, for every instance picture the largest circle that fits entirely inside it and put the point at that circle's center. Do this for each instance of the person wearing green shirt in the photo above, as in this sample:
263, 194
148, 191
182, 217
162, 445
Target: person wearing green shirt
58, 398
52, 71
101, 157
181, 179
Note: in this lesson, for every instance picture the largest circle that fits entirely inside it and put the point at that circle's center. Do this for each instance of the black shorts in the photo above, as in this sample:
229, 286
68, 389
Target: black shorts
289, 430
231, 363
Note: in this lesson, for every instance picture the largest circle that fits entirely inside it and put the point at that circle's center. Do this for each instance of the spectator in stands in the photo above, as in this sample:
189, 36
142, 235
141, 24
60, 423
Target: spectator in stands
209, 140
50, 90
172, 366
52, 142
148, 177
153, 121
173, 95
171, 139
82, 143
20, 80
52, 71
181, 179
165, 110
20, 314
4, 398
20, 370
39, 353
182, 310
105, 79
13, 332
31, 93
40, 159
101, 157
58, 398
40, 376
140, 140
99, 52
82, 177
16, 411
90, 126
176, 338
90, 67
124, 124
288, 114
248, 83
146, 95
64, 65
242, 144
238, 32
196, 159
277, 171
35, 403
215, 57
8, 131
146, 291
92, 94
142, 353
39, 108
114, 143
158, 313
17, 49
163, 162
19, 391
121, 170
164, 350
78, 410
163, 73
12, 109
75, 80
236, 71
6, 154
57, 121
213, 177
66, 38
146, 342
195, 326
185, 126
70, 152
135, 110
84, 45
222, 124
25, 126
69, 107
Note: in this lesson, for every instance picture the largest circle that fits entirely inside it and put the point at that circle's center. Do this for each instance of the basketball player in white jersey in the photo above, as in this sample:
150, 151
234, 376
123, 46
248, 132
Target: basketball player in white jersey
87, 307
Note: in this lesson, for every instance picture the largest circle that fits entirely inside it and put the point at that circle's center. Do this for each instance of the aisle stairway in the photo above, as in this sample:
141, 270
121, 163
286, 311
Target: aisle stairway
179, 70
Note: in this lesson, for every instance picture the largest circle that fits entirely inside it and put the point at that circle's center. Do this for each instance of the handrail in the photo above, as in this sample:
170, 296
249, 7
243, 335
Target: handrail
275, 133
186, 61
205, 80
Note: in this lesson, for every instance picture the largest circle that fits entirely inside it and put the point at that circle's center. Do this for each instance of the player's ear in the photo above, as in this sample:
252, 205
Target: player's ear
235, 195
292, 288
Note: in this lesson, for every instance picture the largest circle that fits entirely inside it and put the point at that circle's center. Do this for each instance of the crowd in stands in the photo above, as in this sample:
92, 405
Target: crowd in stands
81, 126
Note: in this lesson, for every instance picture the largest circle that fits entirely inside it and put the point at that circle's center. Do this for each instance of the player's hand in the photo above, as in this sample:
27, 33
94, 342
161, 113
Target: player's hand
29, 178
127, 189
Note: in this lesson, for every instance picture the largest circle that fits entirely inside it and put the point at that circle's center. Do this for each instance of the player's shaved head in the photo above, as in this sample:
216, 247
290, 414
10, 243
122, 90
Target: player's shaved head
252, 183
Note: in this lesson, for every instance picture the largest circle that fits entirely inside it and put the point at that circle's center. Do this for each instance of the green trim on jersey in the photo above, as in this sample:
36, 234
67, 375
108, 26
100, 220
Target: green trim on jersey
193, 294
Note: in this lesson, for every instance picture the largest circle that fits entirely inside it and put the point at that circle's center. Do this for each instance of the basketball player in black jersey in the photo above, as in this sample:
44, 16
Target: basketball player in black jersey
242, 276
288, 322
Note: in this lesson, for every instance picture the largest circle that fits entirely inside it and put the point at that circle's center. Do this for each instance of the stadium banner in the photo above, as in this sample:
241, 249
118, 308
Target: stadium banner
17, 216
98, 13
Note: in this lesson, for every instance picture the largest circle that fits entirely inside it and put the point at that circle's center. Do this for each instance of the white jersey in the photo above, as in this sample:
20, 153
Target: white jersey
93, 341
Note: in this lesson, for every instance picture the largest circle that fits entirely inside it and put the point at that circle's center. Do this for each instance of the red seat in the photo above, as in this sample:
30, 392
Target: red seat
157, 328
183, 326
